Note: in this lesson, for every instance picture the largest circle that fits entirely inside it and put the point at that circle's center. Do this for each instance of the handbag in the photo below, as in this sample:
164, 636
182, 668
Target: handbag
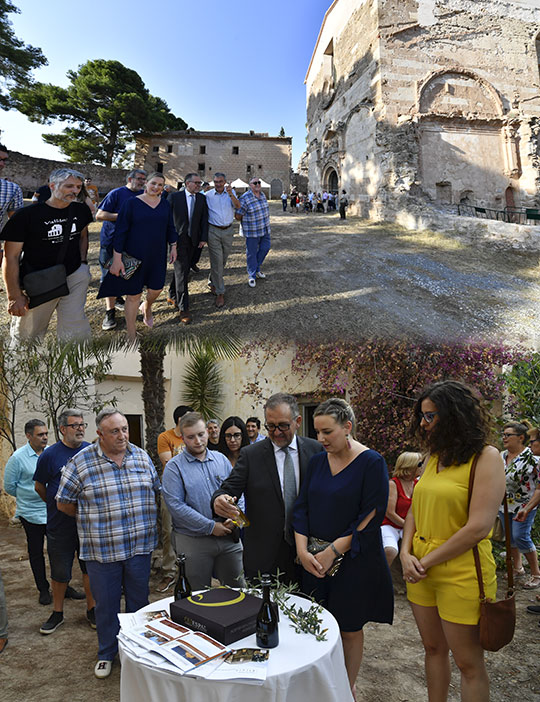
497, 533
316, 545
130, 264
497, 619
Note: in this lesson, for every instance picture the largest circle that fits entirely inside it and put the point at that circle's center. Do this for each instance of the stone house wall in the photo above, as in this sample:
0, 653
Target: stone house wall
237, 155
31, 173
432, 100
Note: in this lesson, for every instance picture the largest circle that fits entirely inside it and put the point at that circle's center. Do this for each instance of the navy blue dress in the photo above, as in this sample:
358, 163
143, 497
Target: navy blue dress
143, 232
330, 506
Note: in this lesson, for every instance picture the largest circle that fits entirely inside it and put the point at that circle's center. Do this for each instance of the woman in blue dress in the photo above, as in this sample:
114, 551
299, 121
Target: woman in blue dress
143, 228
343, 501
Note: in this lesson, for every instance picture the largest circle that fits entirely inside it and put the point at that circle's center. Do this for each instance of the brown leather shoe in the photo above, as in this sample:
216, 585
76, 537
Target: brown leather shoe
185, 317
170, 301
212, 289
220, 300
3, 644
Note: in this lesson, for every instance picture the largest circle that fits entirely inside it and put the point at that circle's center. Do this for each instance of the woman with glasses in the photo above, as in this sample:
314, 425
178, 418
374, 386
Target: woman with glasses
232, 437
522, 478
143, 229
440, 530
342, 503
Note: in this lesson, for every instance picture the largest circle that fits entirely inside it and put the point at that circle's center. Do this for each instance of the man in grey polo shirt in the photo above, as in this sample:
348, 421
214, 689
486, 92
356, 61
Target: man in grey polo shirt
189, 480
222, 203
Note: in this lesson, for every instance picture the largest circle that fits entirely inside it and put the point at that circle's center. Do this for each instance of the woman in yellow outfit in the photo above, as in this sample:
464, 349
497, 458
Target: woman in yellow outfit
440, 531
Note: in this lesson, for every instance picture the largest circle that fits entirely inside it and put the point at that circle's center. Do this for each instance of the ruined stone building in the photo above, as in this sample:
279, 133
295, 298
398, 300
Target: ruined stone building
412, 103
237, 155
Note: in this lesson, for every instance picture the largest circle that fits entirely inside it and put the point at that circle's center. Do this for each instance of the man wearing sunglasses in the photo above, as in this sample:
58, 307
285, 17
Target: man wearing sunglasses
269, 474
254, 216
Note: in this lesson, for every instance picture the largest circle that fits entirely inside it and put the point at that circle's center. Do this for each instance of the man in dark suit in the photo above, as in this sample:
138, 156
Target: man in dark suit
190, 213
269, 474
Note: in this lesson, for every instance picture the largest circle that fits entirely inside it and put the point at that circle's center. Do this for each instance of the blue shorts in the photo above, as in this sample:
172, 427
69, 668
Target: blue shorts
61, 547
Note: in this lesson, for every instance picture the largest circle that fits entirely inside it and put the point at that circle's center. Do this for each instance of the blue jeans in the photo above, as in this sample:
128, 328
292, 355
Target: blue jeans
107, 582
256, 249
520, 536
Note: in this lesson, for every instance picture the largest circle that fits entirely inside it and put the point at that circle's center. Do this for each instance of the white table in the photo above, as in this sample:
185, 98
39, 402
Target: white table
300, 669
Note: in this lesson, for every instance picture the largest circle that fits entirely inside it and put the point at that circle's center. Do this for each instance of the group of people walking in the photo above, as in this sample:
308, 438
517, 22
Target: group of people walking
320, 511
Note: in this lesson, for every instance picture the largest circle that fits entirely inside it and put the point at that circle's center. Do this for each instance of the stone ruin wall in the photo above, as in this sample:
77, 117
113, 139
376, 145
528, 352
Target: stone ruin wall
31, 173
420, 88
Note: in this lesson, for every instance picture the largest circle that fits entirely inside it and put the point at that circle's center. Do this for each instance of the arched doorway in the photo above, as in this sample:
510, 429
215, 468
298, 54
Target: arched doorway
331, 181
276, 188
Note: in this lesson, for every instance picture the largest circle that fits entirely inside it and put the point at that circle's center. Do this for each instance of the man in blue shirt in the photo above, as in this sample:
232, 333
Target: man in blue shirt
19, 482
189, 480
11, 197
107, 213
62, 540
255, 217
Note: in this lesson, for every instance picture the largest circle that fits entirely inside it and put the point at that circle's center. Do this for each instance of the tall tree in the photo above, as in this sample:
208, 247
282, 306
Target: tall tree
17, 59
106, 103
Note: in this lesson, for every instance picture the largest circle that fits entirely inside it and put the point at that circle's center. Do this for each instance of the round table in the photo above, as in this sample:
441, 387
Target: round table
299, 669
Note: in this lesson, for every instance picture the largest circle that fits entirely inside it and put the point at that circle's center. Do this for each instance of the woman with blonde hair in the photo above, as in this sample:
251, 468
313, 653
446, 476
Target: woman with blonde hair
400, 491
337, 519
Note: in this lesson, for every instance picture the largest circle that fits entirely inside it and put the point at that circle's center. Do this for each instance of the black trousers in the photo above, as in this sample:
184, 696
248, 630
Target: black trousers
35, 539
178, 289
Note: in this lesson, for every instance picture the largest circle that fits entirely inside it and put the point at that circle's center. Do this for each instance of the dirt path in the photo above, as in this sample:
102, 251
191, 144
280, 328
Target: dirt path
60, 667
329, 279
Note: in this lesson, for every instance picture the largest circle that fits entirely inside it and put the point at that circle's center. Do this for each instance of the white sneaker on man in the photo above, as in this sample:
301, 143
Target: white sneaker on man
103, 669
252, 282
260, 274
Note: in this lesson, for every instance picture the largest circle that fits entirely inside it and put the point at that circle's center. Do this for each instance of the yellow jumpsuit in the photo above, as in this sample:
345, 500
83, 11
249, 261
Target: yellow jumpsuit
440, 509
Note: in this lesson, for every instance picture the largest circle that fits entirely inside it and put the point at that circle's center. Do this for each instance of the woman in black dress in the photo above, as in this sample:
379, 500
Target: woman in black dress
343, 501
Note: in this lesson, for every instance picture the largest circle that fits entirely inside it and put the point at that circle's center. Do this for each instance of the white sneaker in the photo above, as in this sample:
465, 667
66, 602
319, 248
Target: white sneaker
252, 283
103, 669
260, 274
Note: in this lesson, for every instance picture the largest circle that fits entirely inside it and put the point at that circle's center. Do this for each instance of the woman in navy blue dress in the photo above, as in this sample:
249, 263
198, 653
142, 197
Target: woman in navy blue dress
343, 501
143, 228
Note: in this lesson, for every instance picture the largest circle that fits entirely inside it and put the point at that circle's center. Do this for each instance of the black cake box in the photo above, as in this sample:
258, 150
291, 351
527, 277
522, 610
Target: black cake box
224, 614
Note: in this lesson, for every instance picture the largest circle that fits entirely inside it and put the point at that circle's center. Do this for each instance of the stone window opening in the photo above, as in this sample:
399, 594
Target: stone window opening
159, 167
155, 149
260, 166
202, 167
466, 197
328, 68
202, 149
235, 150
249, 168
169, 149
444, 192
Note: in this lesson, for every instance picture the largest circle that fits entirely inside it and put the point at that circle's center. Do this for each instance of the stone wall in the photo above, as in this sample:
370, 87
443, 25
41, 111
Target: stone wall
237, 155
30, 173
439, 99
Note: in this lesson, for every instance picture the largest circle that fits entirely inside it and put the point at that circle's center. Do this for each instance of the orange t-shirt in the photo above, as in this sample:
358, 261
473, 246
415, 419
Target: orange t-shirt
168, 441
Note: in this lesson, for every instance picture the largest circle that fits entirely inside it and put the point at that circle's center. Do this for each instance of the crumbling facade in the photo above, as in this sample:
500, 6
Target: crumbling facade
238, 155
411, 102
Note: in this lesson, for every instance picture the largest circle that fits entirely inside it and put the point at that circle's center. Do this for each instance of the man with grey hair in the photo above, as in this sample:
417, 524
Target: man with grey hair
62, 540
111, 487
107, 213
45, 265
269, 474
190, 214
222, 204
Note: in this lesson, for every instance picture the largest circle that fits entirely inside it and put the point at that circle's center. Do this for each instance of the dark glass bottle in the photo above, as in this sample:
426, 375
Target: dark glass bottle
182, 588
267, 627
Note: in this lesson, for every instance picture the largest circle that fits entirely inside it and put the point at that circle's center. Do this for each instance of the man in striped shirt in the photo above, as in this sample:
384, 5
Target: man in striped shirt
11, 197
112, 488
255, 218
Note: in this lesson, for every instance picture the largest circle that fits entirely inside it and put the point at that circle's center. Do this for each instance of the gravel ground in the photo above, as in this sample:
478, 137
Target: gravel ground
50, 668
329, 279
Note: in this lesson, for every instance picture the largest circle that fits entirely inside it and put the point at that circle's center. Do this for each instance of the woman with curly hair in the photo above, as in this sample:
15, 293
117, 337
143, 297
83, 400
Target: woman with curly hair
522, 479
233, 436
441, 529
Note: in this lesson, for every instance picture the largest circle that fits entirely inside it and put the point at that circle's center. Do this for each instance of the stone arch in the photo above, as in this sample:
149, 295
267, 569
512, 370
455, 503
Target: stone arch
330, 181
276, 188
458, 92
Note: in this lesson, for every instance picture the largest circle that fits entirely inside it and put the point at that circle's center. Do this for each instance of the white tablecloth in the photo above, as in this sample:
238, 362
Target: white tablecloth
300, 669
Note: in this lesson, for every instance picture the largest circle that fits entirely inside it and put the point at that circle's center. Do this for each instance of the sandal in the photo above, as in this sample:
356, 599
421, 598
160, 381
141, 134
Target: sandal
532, 583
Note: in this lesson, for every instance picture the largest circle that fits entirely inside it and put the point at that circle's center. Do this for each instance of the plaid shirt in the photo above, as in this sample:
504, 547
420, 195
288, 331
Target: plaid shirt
256, 215
116, 506
11, 197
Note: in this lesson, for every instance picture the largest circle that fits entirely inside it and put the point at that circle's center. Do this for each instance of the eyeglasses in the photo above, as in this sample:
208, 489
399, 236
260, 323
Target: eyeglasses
428, 417
234, 437
80, 425
255, 182
506, 434
282, 426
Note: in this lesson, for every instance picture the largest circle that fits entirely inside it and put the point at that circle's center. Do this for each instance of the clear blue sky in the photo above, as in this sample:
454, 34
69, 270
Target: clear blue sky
225, 66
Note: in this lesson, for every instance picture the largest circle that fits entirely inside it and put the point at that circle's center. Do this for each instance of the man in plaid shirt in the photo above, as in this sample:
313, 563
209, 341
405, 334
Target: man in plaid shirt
112, 488
255, 227
11, 197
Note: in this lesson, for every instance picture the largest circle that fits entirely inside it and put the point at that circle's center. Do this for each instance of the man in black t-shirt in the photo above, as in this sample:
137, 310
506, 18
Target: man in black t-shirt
41, 236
